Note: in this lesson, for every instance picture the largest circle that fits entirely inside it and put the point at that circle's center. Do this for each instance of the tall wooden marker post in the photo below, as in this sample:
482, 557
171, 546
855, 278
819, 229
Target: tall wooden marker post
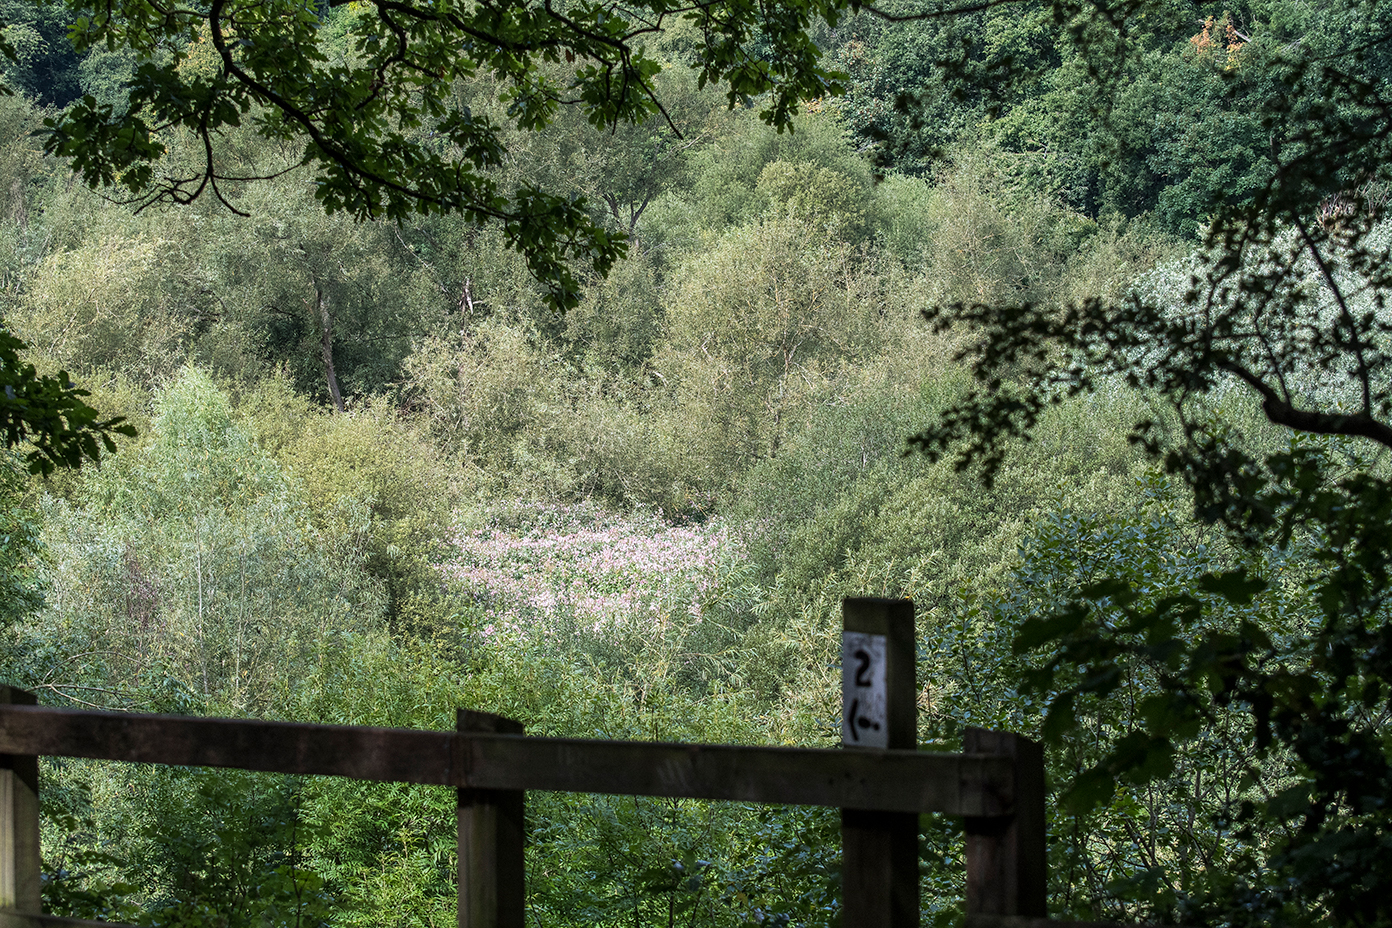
879, 702
492, 871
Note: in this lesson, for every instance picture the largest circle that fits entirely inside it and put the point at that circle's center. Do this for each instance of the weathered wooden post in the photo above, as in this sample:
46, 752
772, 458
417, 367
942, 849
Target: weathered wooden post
492, 876
1006, 863
19, 826
879, 702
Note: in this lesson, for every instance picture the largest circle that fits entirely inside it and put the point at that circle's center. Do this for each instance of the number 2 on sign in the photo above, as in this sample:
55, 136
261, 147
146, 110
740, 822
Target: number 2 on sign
863, 665
863, 690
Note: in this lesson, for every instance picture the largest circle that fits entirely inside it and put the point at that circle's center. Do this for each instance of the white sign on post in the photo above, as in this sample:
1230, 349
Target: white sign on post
864, 721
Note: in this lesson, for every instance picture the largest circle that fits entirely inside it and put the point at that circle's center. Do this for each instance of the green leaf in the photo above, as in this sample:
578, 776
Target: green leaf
1234, 586
1089, 790
1036, 632
1060, 719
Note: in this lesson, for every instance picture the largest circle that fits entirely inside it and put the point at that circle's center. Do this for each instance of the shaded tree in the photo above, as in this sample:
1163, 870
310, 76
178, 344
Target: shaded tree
1286, 304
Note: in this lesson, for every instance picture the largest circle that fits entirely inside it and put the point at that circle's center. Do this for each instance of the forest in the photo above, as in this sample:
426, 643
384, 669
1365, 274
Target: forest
376, 464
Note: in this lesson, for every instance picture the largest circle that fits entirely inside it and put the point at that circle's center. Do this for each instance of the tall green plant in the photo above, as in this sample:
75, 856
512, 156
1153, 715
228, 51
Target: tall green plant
194, 558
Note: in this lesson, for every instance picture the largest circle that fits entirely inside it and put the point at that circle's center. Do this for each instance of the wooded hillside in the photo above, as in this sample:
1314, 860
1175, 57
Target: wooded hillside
377, 474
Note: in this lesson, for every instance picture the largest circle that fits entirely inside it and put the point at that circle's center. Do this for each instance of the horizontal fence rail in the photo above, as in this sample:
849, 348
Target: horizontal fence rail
12, 919
974, 785
997, 785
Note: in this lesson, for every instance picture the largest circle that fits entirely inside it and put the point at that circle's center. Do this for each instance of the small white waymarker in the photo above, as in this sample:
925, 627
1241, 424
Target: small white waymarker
864, 691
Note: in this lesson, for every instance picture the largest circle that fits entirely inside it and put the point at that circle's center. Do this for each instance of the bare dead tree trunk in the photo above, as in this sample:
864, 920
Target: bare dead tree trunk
466, 308
326, 348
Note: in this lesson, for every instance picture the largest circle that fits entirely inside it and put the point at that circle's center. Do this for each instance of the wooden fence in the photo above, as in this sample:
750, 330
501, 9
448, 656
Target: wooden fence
996, 785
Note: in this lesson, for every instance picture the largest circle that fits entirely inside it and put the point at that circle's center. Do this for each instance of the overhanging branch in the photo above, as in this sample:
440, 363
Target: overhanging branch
1281, 411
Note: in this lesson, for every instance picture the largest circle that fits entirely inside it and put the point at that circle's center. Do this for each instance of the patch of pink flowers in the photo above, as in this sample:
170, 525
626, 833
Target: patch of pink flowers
597, 568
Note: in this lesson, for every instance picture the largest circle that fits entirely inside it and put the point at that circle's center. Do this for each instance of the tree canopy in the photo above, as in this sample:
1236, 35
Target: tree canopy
1262, 129
372, 105
372, 108
1286, 304
49, 413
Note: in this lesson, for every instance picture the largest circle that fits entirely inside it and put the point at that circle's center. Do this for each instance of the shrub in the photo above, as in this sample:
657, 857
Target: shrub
193, 557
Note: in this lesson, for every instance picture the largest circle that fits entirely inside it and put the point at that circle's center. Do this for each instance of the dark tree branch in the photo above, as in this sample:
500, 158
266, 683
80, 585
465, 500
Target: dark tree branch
1282, 412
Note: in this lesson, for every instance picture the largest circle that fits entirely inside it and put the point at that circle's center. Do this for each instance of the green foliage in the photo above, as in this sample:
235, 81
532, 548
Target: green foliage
482, 390
724, 179
192, 557
227, 849
43, 64
24, 173
619, 323
1289, 641
820, 198
1165, 805
843, 513
113, 303
81, 871
370, 103
757, 323
1285, 306
991, 240
371, 467
744, 377
1164, 109
48, 412
624, 169
290, 280
20, 546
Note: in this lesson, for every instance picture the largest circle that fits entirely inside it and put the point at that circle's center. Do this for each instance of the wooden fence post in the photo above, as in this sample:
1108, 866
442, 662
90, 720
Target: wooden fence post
19, 825
492, 876
879, 870
1006, 859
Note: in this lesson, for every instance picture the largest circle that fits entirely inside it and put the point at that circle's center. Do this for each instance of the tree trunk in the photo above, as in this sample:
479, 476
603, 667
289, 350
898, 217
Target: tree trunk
326, 348
466, 309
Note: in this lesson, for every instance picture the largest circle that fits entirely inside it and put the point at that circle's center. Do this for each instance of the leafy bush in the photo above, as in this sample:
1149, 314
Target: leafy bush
193, 557
756, 327
368, 473
21, 546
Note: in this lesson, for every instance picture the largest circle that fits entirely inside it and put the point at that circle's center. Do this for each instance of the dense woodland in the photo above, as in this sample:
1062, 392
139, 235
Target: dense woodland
378, 476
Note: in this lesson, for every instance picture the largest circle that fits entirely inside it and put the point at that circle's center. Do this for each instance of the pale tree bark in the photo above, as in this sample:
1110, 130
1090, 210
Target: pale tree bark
326, 348
466, 309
